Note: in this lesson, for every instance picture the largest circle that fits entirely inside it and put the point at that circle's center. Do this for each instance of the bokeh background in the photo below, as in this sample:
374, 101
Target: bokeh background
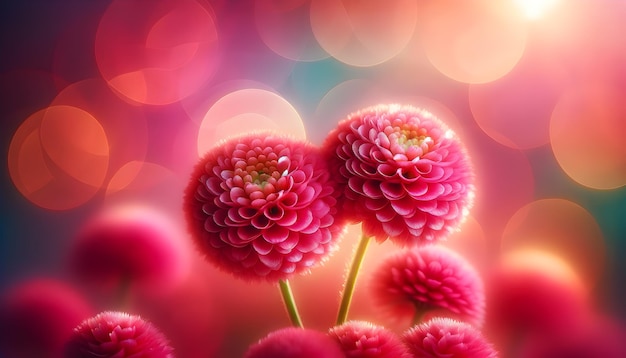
111, 102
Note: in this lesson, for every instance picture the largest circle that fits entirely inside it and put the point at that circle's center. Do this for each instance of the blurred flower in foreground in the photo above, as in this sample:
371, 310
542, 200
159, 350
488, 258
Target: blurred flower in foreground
119, 335
130, 245
594, 337
412, 282
263, 206
532, 293
295, 343
445, 337
403, 173
37, 318
360, 339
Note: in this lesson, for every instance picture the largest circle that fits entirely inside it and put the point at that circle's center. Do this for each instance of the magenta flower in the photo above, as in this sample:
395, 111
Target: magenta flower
117, 334
403, 173
295, 343
595, 337
133, 244
445, 337
431, 278
263, 206
532, 293
360, 339
37, 318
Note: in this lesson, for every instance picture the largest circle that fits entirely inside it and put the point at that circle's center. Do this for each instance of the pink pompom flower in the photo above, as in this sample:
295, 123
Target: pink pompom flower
130, 244
37, 317
263, 206
359, 339
432, 278
445, 337
532, 292
117, 334
295, 343
403, 173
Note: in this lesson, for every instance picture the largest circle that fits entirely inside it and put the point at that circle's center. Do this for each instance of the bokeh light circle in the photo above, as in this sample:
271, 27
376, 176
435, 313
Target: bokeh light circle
58, 157
515, 110
341, 100
147, 183
285, 27
472, 41
125, 125
469, 241
76, 142
248, 110
363, 33
505, 183
587, 132
157, 54
562, 228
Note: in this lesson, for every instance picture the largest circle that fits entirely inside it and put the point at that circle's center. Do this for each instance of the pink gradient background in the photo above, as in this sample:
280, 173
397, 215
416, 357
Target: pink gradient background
106, 102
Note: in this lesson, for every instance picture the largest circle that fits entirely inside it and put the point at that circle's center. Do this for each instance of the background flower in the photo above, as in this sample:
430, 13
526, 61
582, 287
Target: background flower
37, 318
117, 334
445, 337
431, 280
532, 292
595, 336
294, 342
130, 245
403, 172
359, 339
263, 206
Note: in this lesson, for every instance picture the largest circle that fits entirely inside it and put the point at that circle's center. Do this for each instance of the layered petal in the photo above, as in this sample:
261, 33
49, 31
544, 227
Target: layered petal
270, 195
431, 278
405, 157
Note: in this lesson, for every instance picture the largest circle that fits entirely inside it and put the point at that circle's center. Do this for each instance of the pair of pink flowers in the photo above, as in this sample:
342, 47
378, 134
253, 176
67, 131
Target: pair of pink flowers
267, 207
264, 206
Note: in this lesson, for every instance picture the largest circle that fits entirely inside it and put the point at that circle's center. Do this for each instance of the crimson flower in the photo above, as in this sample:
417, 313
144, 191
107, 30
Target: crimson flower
117, 334
533, 292
360, 339
294, 342
595, 336
263, 206
129, 243
445, 337
403, 173
37, 318
431, 278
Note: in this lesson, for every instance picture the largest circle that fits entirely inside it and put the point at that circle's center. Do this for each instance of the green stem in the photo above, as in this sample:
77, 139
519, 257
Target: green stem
353, 274
420, 312
123, 293
290, 303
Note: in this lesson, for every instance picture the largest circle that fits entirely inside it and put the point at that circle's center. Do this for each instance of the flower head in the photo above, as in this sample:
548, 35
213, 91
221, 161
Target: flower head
263, 206
533, 292
445, 337
429, 278
596, 336
295, 343
360, 339
119, 335
37, 318
403, 173
129, 243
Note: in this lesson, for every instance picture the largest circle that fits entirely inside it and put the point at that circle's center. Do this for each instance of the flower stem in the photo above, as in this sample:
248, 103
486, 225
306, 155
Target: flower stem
290, 303
123, 293
348, 289
420, 313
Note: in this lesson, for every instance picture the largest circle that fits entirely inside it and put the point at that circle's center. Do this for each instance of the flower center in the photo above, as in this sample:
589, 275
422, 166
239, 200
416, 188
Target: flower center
411, 138
408, 142
261, 170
